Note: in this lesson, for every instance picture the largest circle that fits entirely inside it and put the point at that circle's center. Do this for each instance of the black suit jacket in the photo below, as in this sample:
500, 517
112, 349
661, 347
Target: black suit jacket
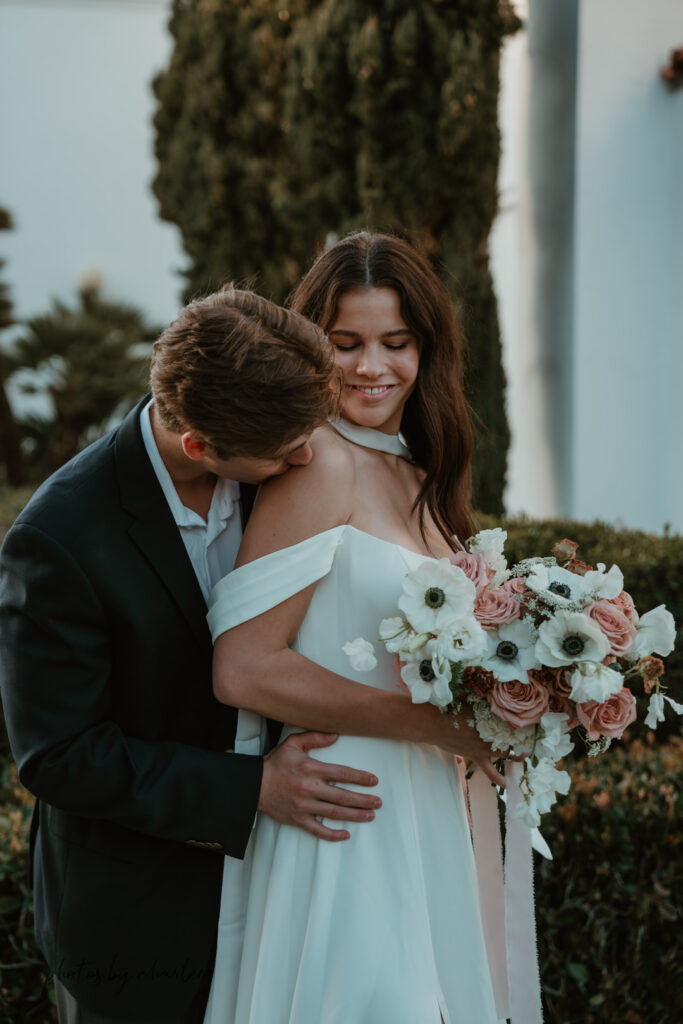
105, 669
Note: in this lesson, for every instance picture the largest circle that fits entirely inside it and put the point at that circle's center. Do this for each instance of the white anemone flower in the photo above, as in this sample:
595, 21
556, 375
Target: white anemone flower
555, 741
490, 544
510, 651
393, 632
655, 711
435, 594
555, 585
655, 634
429, 678
361, 654
570, 637
591, 680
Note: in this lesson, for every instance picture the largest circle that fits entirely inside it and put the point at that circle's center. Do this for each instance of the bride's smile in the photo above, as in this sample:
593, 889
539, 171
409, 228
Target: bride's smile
378, 355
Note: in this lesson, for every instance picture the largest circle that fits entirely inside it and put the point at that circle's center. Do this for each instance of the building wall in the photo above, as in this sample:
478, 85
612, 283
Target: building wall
627, 380
77, 152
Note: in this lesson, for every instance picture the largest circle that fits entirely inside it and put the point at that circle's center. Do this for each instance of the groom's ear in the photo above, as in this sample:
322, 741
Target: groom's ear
193, 446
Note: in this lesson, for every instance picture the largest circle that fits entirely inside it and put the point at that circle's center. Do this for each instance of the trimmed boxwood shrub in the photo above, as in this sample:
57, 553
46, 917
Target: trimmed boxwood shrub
609, 905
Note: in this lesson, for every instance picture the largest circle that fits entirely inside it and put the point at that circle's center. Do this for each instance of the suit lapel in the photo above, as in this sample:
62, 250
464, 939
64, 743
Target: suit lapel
153, 529
247, 498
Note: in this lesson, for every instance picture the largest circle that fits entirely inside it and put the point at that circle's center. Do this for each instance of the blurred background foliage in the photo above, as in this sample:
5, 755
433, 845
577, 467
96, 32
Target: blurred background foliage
284, 124
89, 365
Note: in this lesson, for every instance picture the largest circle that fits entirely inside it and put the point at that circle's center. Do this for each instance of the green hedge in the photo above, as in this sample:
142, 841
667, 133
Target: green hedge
25, 990
609, 905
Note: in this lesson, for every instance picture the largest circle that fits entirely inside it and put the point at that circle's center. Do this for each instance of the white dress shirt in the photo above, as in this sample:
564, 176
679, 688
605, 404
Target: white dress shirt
212, 546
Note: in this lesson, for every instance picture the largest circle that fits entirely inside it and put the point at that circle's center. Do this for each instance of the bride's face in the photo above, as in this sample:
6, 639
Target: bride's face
378, 355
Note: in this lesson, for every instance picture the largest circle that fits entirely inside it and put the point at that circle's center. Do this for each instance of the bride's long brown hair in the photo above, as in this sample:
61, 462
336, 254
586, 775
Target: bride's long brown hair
436, 419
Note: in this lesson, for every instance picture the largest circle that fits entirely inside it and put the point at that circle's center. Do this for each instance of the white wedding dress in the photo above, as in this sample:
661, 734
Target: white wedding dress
385, 927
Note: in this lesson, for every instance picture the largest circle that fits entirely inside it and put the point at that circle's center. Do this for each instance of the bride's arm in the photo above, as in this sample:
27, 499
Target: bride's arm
254, 667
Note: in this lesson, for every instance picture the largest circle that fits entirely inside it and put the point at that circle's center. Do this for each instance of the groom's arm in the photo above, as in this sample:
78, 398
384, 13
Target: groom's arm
58, 687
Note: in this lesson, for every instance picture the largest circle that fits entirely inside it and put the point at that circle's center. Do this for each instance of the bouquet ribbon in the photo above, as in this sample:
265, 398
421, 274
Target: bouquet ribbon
506, 896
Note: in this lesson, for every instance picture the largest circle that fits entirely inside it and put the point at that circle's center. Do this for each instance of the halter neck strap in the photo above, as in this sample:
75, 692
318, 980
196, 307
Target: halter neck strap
368, 437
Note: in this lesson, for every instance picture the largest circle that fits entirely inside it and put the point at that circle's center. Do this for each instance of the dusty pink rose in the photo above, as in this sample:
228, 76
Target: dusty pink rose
612, 621
494, 607
475, 567
609, 718
624, 602
519, 704
565, 549
515, 585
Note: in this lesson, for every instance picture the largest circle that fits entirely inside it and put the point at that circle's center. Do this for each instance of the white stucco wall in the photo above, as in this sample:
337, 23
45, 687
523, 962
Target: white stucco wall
77, 152
627, 380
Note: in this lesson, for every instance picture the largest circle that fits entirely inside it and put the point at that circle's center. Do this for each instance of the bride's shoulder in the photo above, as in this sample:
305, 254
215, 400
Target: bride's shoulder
304, 501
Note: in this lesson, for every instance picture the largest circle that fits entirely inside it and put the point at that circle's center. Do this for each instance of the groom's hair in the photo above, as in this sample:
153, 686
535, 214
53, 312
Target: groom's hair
245, 375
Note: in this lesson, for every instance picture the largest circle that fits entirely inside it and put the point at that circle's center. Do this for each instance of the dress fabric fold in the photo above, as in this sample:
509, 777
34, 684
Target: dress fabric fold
384, 928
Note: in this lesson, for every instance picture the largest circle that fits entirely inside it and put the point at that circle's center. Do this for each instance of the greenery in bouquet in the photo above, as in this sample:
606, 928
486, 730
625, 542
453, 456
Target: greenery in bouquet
537, 652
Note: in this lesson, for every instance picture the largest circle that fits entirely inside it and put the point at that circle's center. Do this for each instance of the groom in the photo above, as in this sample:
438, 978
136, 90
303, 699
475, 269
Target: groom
106, 664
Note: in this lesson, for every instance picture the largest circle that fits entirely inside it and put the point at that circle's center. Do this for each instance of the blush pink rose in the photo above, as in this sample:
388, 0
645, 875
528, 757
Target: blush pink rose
494, 607
624, 602
515, 585
475, 567
519, 704
613, 622
609, 718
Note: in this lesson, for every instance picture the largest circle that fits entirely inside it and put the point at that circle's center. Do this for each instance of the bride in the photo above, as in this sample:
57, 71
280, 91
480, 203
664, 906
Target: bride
383, 928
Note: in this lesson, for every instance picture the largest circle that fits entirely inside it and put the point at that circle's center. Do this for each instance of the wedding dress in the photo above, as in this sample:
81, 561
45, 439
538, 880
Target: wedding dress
385, 927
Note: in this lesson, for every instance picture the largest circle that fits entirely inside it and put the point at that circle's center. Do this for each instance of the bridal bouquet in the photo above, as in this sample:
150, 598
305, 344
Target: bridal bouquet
539, 652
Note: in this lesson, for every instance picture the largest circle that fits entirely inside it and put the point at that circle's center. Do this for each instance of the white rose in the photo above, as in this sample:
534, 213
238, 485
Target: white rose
361, 654
594, 681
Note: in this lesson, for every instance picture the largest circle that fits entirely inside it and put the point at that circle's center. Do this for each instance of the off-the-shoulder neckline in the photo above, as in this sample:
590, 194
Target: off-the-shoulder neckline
344, 527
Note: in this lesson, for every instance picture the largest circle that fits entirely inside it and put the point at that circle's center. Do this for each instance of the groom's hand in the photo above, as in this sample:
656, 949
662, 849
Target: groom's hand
298, 790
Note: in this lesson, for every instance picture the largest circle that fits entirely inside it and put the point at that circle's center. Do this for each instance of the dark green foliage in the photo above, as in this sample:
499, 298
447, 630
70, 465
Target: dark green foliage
281, 125
609, 905
25, 992
88, 362
653, 574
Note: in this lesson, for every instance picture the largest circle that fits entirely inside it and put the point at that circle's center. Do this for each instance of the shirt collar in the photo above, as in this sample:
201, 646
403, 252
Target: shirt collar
226, 492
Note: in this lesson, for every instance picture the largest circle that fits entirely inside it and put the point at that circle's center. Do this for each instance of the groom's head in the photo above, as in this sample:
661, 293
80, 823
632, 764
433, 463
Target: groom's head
243, 383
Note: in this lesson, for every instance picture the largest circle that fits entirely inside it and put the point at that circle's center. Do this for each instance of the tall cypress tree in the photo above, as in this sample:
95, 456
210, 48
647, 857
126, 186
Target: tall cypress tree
281, 124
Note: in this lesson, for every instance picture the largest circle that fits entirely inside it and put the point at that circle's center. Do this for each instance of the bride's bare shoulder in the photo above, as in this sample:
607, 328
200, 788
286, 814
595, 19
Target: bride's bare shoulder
306, 500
